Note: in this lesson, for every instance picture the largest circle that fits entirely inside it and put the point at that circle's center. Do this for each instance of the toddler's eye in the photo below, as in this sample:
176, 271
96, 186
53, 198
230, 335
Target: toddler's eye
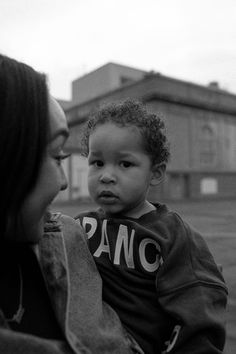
95, 163
126, 164
98, 163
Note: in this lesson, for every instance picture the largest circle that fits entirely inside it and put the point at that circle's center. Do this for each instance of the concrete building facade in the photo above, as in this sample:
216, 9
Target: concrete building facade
201, 128
103, 80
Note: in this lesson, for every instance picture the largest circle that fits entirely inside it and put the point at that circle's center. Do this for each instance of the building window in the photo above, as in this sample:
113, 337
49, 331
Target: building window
207, 146
209, 186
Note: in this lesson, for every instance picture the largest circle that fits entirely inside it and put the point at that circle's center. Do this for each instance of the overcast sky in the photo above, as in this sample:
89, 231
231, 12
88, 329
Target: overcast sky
193, 40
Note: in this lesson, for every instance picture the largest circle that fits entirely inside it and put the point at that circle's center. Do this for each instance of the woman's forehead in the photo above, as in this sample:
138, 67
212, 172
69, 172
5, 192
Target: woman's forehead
58, 122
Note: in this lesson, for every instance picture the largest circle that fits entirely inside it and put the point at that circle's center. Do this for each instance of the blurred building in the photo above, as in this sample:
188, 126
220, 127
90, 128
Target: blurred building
105, 79
200, 122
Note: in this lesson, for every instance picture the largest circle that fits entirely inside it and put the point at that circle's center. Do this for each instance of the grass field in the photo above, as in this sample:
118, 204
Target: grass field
217, 222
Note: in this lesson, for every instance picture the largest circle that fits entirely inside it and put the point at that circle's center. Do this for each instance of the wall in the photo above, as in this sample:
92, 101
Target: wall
223, 185
200, 140
106, 78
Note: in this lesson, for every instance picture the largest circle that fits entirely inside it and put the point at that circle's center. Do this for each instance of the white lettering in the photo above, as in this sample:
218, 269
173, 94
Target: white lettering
124, 247
150, 267
93, 223
123, 240
104, 244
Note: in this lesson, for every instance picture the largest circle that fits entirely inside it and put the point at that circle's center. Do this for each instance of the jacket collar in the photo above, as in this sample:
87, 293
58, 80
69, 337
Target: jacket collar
52, 258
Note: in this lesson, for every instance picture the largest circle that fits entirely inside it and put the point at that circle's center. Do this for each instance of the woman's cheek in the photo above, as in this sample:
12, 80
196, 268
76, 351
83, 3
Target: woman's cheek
53, 180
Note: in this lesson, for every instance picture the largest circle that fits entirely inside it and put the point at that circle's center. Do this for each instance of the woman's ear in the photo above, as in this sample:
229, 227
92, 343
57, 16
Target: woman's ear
158, 173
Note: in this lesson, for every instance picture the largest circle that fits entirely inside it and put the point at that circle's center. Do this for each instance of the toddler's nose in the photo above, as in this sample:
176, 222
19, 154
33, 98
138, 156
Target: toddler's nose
107, 177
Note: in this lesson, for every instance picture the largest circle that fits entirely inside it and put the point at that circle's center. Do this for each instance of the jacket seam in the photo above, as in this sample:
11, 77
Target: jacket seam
193, 284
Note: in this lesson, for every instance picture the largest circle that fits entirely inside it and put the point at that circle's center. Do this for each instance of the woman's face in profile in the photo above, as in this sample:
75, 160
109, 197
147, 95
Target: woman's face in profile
51, 179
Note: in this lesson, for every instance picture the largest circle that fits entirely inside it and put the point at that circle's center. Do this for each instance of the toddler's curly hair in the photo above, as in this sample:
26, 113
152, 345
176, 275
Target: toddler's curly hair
131, 113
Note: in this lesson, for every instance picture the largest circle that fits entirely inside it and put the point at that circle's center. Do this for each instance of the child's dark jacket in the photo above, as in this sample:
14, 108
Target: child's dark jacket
160, 277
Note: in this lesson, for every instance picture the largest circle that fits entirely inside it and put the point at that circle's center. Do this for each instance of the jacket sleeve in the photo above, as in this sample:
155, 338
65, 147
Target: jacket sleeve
94, 322
192, 290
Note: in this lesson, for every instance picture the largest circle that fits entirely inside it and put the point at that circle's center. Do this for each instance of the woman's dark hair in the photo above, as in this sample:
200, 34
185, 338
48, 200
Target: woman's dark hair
24, 128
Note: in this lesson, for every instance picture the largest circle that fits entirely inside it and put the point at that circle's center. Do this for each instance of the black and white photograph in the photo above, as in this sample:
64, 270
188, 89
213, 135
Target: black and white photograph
118, 175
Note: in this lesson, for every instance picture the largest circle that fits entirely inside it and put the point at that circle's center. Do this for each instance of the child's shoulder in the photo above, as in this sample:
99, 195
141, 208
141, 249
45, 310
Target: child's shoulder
165, 214
173, 224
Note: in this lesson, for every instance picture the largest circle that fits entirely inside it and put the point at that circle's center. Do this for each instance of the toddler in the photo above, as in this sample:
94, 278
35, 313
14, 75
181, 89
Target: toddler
158, 273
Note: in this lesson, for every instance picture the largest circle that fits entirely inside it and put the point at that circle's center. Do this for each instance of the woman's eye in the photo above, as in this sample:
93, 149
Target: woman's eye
61, 157
126, 164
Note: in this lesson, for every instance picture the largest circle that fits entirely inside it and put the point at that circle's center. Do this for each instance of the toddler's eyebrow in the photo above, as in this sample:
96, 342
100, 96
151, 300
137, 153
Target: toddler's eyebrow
125, 154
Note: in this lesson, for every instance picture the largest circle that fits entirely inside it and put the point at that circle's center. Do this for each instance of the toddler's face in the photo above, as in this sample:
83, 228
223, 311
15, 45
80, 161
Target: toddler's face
120, 171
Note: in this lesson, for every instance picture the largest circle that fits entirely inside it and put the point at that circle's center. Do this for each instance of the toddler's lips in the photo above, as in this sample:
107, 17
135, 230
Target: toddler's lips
107, 197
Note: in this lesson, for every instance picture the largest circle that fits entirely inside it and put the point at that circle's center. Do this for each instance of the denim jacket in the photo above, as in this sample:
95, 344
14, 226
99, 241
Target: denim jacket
75, 289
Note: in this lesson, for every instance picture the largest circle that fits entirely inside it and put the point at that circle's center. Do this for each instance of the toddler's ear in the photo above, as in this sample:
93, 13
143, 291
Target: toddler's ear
158, 173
